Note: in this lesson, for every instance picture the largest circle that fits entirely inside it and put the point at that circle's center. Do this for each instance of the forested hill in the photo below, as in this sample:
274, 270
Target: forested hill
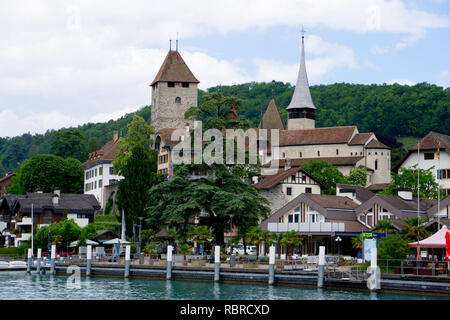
389, 109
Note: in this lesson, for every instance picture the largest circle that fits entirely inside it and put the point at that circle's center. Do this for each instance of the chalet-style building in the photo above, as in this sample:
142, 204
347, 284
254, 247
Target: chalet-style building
20, 212
428, 157
5, 183
99, 171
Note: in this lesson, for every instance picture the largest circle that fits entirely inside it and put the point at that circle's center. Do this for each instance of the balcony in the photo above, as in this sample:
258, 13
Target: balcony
25, 222
317, 227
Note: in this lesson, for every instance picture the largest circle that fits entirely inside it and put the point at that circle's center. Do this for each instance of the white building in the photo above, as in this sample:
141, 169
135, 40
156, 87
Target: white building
427, 157
99, 171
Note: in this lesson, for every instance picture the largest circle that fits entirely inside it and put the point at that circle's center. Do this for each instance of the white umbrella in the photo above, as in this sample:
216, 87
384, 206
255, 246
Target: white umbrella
88, 242
115, 241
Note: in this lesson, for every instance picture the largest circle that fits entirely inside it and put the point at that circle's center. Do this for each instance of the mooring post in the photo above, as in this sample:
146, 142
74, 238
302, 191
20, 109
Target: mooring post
271, 265
127, 261
30, 259
52, 257
321, 266
217, 263
374, 276
141, 258
169, 263
88, 260
38, 264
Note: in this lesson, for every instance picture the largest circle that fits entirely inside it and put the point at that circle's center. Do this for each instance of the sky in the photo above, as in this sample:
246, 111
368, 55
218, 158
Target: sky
66, 63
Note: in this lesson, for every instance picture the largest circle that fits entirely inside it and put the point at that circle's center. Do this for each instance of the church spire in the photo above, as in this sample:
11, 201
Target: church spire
302, 96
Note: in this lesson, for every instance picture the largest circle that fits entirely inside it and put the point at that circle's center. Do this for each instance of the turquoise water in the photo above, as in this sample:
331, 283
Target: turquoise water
20, 285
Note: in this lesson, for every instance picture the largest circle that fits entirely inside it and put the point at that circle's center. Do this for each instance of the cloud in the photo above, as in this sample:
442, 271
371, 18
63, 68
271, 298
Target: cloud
326, 58
379, 50
68, 62
402, 82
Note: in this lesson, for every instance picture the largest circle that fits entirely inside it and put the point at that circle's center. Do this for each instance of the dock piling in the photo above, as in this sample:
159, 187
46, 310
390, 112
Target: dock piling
217, 263
52, 257
30, 259
38, 263
373, 282
127, 261
169, 263
271, 265
321, 266
88, 260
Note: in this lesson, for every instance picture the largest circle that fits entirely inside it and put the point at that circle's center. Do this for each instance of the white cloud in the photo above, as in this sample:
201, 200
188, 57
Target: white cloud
402, 82
326, 58
379, 50
67, 62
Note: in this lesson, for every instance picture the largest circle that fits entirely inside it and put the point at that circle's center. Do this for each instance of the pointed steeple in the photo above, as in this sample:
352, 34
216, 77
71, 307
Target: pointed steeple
302, 96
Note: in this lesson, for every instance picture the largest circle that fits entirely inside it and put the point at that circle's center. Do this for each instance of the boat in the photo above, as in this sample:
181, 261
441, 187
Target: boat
4, 265
17, 265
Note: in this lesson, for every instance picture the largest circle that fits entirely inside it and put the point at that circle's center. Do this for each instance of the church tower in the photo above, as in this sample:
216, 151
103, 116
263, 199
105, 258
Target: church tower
301, 110
174, 91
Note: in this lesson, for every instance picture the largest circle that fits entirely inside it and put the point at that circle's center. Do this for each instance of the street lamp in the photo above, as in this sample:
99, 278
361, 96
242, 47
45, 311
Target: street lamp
338, 241
231, 234
140, 228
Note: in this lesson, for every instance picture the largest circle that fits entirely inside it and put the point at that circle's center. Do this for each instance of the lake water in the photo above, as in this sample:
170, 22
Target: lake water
19, 285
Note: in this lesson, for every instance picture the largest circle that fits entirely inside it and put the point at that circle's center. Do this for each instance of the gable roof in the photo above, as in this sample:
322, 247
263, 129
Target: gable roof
362, 194
335, 161
271, 118
443, 203
331, 207
431, 141
375, 144
7, 177
326, 135
270, 181
360, 138
67, 203
107, 153
174, 69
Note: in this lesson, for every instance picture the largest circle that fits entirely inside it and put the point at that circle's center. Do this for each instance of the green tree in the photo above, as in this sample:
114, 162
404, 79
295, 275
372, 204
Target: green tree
48, 172
277, 238
393, 247
357, 242
415, 229
357, 177
132, 194
69, 143
291, 240
138, 136
385, 226
326, 173
255, 237
199, 234
93, 145
407, 179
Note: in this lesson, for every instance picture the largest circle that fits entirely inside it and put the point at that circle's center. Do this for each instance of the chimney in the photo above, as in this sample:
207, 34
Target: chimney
287, 166
55, 199
405, 194
116, 136
57, 192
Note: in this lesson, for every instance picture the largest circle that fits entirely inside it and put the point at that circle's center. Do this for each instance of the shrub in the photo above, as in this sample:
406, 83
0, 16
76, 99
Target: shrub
12, 251
22, 248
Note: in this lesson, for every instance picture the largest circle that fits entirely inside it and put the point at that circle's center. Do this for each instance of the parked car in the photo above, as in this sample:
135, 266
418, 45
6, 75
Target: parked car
251, 250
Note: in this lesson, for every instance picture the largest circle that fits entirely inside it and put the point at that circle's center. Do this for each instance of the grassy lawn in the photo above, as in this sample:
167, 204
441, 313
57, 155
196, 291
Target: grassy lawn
408, 141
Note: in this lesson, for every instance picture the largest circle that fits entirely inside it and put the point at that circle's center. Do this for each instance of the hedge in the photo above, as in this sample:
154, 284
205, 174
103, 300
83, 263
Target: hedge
12, 251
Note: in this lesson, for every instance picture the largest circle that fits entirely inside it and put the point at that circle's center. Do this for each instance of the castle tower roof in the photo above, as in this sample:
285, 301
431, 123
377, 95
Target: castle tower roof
174, 69
302, 96
271, 118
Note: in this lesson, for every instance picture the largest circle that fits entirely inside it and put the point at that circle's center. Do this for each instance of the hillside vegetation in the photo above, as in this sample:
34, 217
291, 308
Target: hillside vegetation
393, 110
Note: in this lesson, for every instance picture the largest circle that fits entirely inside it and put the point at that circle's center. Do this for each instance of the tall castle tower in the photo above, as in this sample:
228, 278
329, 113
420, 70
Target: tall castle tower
301, 110
174, 91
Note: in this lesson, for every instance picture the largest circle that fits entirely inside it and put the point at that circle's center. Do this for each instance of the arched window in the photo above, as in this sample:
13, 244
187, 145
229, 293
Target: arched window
177, 100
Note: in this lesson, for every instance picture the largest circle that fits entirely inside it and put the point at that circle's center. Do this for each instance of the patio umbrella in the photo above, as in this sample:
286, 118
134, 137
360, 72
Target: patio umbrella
88, 242
116, 241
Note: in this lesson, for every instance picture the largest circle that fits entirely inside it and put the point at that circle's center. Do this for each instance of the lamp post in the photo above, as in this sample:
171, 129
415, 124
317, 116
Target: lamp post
231, 234
140, 228
338, 241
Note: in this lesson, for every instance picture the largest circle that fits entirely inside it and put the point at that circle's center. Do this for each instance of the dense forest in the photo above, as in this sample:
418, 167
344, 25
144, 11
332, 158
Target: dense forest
387, 110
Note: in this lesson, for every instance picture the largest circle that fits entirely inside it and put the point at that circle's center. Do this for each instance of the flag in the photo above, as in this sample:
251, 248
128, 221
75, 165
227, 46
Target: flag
439, 145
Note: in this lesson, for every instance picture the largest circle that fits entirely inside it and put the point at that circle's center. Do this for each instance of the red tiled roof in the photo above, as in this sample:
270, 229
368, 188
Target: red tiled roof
375, 144
360, 138
174, 69
108, 152
431, 140
328, 135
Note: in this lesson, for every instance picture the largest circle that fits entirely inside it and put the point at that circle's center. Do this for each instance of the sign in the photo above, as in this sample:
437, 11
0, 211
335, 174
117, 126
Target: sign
379, 235
367, 235
368, 245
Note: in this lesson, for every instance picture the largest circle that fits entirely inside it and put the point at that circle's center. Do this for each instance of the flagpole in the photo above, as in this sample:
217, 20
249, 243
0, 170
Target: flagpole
418, 193
32, 227
439, 186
